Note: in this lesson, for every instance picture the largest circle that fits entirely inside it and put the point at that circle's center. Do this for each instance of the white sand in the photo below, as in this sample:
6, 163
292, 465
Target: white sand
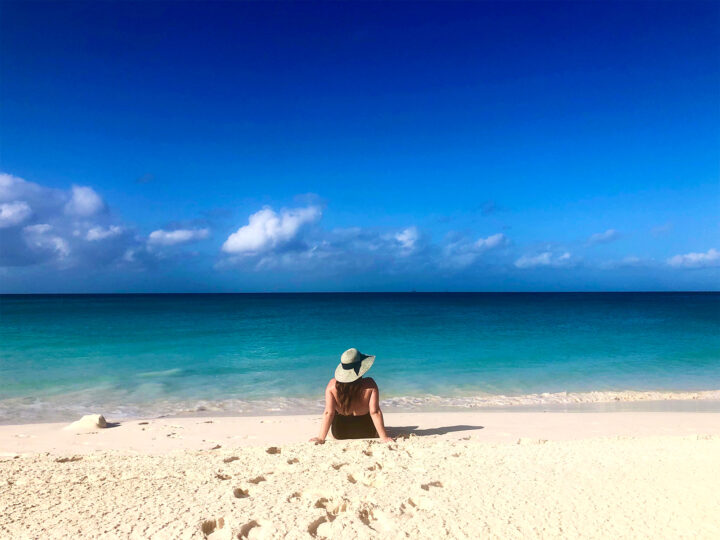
598, 475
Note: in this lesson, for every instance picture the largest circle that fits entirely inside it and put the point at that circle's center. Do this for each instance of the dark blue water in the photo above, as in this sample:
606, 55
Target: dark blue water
151, 354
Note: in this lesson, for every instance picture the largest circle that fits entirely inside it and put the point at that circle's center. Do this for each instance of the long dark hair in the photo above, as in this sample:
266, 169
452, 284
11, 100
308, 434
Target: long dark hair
346, 393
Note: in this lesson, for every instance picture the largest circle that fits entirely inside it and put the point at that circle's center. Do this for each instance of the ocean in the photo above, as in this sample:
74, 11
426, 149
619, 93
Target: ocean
149, 355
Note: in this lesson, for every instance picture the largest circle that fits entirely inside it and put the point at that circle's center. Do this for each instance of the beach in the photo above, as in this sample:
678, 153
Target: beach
461, 475
514, 416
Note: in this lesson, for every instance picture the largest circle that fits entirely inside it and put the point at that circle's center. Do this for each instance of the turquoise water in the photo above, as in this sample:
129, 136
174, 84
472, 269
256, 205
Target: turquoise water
140, 355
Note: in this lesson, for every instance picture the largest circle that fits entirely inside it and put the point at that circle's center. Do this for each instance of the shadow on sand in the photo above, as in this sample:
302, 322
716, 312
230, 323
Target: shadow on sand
399, 431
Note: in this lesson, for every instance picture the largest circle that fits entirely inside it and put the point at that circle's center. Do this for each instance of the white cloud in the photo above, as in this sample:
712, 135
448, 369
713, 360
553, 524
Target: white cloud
545, 258
162, 237
40, 228
41, 237
84, 202
696, 260
603, 237
14, 213
460, 252
493, 241
266, 230
36, 196
407, 238
101, 233
53, 229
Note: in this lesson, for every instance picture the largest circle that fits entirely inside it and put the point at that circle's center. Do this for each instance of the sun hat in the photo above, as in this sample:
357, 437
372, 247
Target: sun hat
353, 365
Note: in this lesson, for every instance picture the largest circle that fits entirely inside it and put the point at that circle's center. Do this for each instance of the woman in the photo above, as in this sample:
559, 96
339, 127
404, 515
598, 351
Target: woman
352, 403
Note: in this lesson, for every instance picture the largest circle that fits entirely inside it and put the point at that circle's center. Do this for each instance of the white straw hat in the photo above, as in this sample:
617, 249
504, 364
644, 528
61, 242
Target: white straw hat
353, 365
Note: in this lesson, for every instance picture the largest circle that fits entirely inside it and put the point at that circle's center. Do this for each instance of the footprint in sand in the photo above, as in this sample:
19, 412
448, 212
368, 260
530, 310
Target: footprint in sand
245, 529
221, 476
230, 459
367, 516
257, 479
338, 466
419, 503
427, 486
240, 493
332, 507
210, 525
273, 450
293, 461
257, 528
313, 527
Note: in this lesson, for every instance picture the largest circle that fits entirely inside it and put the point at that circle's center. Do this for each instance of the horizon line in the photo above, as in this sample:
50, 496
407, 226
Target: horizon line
678, 291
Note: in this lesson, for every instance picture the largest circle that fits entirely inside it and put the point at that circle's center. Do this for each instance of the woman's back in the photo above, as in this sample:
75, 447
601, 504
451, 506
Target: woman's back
352, 399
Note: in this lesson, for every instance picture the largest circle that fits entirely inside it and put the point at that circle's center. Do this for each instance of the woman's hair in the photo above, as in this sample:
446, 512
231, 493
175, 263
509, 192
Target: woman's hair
346, 393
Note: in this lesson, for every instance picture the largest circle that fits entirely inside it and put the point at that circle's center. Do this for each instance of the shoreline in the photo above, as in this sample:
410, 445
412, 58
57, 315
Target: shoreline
571, 402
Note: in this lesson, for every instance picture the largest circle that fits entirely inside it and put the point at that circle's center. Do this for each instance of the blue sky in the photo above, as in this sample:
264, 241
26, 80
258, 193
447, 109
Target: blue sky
359, 146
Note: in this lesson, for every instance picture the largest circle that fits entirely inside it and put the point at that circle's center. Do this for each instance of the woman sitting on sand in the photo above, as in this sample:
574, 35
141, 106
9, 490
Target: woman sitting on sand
352, 403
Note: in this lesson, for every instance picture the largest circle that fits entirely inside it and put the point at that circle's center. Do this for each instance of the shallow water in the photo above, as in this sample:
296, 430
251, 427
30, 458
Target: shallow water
144, 355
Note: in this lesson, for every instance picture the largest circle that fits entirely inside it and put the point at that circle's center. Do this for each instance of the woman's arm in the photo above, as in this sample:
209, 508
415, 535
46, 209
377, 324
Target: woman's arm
377, 415
328, 415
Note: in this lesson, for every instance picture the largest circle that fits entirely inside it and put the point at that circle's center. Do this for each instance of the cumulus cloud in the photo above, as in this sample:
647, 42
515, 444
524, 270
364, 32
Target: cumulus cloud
84, 202
162, 237
42, 237
63, 227
496, 240
14, 213
546, 258
460, 252
407, 238
267, 230
707, 259
604, 237
101, 233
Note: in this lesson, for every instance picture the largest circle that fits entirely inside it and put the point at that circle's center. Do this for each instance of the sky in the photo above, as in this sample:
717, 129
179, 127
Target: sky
241, 147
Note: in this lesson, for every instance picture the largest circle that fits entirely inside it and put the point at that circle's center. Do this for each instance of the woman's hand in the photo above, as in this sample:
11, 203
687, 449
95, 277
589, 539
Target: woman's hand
317, 440
387, 439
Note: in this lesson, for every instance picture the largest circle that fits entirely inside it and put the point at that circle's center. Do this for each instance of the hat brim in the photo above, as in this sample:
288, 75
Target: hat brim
349, 375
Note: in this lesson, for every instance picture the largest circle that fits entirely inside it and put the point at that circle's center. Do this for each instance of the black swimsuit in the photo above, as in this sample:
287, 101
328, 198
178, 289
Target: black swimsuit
353, 427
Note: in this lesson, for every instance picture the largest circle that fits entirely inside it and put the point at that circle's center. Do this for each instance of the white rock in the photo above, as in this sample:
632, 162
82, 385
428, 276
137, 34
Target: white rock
89, 421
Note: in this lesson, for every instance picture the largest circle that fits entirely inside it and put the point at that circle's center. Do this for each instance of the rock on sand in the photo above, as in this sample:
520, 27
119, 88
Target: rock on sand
89, 421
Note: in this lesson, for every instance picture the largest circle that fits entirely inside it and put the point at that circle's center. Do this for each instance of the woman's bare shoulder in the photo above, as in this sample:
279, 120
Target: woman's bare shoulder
369, 382
331, 384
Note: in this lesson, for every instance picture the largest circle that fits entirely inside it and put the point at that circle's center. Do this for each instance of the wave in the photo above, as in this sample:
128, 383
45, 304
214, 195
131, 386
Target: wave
163, 373
557, 398
71, 406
